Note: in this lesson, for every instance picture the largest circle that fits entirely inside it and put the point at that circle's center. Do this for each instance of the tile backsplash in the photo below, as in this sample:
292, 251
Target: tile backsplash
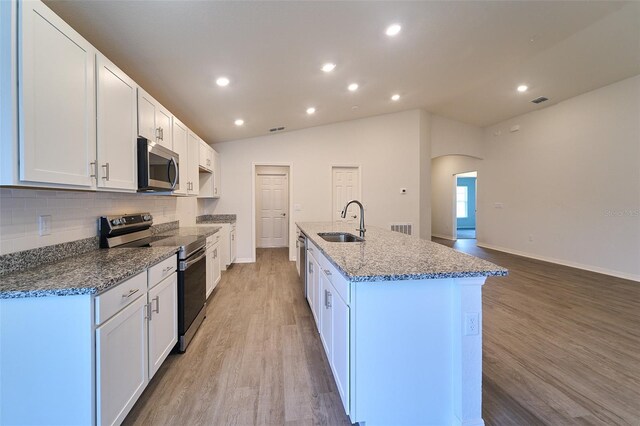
74, 214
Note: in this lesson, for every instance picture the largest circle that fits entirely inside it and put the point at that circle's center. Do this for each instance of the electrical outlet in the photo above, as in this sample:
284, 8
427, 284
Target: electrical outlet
471, 324
44, 225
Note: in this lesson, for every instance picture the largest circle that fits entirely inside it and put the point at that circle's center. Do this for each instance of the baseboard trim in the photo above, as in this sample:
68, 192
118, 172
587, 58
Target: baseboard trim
605, 271
444, 237
244, 260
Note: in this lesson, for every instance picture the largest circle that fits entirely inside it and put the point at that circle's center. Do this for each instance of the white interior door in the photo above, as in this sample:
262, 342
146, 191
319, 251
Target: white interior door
271, 210
345, 187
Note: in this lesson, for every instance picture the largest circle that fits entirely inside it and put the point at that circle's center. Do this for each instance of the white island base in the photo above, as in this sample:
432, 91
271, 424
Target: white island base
416, 352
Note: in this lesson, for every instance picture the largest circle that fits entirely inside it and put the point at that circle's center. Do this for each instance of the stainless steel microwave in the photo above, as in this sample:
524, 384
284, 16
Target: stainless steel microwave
157, 167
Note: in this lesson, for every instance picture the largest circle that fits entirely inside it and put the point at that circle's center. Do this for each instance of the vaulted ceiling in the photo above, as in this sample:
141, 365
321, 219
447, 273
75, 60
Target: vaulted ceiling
462, 60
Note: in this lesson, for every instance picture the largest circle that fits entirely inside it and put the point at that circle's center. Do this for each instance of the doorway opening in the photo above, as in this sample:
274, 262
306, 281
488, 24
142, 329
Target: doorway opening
345, 186
466, 201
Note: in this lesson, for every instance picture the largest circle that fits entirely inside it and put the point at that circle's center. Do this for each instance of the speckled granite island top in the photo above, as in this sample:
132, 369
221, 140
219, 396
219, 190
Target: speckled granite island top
392, 256
92, 272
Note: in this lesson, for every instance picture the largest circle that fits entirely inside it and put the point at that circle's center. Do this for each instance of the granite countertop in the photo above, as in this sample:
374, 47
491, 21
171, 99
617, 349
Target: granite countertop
92, 272
392, 256
198, 231
89, 273
216, 218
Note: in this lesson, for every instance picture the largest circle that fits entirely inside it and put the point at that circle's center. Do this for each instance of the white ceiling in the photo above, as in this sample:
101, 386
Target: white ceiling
462, 60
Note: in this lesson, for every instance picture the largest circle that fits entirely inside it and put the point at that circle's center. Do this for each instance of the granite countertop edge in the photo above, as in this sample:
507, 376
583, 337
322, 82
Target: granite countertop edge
90, 273
497, 272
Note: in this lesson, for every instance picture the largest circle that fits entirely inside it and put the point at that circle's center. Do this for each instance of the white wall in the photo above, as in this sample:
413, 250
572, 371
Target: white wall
454, 137
443, 186
74, 214
570, 179
387, 148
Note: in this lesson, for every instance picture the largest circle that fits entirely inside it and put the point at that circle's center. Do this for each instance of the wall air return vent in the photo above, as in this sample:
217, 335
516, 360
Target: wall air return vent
404, 228
539, 100
276, 129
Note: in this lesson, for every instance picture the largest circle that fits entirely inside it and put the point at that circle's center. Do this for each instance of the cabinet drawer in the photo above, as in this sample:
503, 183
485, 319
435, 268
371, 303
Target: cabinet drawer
109, 303
162, 270
313, 250
213, 239
338, 280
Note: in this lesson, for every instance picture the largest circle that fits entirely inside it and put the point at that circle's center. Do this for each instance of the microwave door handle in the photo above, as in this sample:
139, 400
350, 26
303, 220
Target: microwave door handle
175, 180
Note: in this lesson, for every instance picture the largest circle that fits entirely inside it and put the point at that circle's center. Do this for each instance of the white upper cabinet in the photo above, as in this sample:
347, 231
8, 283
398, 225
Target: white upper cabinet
116, 109
56, 100
206, 156
154, 121
180, 136
193, 147
216, 174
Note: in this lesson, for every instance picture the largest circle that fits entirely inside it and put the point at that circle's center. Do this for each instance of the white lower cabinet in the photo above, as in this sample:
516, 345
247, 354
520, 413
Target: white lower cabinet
121, 362
213, 263
163, 321
331, 314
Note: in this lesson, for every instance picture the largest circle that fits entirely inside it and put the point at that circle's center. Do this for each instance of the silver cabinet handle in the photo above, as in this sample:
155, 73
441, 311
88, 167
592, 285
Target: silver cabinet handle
93, 170
327, 298
148, 311
311, 267
215, 191
284, 214
328, 272
106, 171
167, 269
131, 293
162, 133
158, 133
157, 309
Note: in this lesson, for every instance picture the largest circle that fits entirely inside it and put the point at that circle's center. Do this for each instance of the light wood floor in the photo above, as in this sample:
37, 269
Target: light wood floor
256, 359
561, 345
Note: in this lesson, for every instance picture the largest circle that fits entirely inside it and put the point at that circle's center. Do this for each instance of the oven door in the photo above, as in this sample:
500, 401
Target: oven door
192, 291
157, 167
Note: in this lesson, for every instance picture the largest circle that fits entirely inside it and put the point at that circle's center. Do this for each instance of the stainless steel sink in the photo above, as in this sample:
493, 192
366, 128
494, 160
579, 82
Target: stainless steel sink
340, 237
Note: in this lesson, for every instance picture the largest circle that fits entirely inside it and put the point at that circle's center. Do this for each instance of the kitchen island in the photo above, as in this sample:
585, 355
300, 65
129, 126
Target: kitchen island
400, 319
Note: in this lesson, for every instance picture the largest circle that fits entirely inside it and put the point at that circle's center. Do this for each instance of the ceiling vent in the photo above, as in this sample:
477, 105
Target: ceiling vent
539, 100
276, 129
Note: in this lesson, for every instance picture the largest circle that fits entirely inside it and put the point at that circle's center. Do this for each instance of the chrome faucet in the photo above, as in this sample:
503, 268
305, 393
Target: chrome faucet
344, 214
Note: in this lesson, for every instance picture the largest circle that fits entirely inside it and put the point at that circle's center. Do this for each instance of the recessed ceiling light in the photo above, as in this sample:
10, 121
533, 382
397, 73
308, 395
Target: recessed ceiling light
239, 122
523, 88
395, 97
393, 30
222, 81
311, 110
353, 87
328, 67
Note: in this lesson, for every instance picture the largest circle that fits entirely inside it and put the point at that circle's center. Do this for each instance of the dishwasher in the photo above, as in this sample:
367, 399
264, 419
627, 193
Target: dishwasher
302, 262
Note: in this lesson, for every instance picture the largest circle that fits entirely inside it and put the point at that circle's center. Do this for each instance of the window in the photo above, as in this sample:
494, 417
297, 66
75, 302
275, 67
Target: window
462, 202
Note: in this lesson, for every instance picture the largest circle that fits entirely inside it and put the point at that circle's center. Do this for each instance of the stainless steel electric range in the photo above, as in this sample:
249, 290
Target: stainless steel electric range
133, 230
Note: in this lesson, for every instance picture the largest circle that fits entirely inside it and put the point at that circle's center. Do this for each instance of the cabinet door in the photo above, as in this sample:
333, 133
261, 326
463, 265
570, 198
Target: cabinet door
340, 347
117, 125
57, 100
216, 265
325, 313
209, 272
193, 146
180, 147
163, 127
234, 246
121, 362
163, 323
205, 160
216, 174
146, 115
